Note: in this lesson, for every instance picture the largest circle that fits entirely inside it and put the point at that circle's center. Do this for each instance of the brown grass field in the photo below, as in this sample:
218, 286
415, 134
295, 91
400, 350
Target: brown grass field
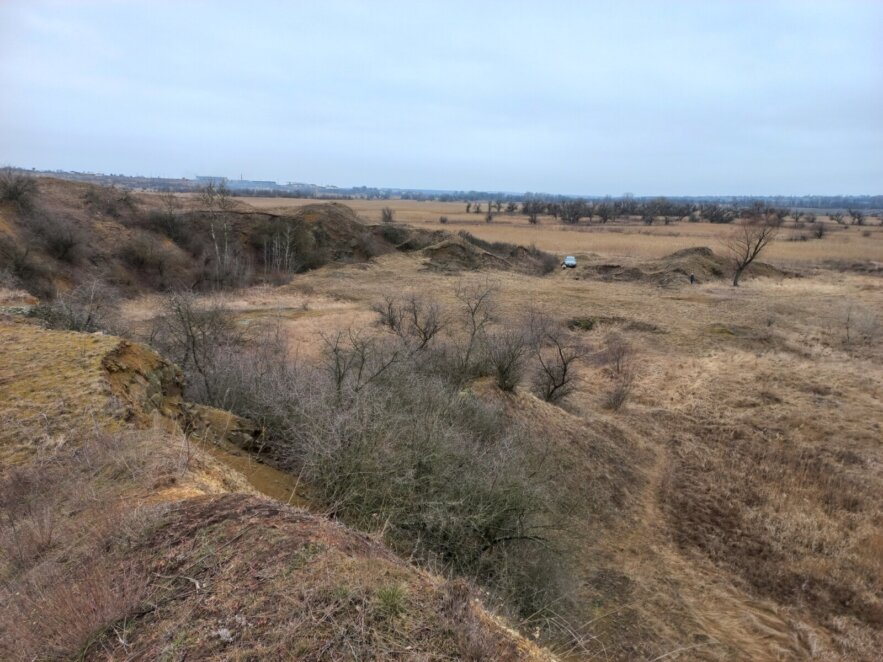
617, 239
755, 519
732, 509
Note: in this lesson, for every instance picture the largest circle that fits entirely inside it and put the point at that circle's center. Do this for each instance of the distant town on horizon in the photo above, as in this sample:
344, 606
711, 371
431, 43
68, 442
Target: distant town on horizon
269, 188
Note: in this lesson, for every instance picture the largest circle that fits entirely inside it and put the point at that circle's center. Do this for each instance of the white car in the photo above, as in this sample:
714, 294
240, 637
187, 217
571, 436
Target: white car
569, 262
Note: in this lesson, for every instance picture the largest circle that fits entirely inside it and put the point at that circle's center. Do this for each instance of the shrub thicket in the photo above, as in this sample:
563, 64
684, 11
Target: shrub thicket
109, 200
387, 433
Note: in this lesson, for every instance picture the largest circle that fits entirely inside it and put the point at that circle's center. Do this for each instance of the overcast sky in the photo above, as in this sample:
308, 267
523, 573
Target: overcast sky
691, 97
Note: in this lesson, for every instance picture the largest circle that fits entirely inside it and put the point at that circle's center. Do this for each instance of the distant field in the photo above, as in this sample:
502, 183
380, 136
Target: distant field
621, 239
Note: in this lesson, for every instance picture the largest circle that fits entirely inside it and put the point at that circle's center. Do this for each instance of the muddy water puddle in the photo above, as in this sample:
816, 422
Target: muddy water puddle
267, 480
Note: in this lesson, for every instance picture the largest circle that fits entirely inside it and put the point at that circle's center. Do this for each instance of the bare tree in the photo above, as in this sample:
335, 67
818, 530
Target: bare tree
605, 211
556, 353
748, 241
218, 201
857, 216
572, 211
477, 306
532, 209
425, 320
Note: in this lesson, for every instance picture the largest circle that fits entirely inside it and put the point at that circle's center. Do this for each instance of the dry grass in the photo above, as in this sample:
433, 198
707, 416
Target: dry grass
110, 547
620, 239
729, 510
750, 399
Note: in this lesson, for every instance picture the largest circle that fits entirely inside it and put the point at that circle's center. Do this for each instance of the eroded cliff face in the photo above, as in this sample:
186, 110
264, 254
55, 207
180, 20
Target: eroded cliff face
149, 389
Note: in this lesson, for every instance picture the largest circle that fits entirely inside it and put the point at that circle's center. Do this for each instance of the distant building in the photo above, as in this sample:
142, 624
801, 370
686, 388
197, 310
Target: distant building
205, 180
252, 184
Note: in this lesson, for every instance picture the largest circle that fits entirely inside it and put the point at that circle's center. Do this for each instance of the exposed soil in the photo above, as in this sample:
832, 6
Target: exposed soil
674, 270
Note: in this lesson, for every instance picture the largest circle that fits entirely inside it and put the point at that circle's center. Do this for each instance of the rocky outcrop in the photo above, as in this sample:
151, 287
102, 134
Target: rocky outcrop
151, 389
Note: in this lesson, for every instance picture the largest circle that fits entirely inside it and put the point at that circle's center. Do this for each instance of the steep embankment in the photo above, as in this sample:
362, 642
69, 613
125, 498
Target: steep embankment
123, 537
73, 234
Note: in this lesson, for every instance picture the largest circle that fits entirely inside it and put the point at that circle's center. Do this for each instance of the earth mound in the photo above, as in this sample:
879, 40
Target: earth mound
262, 573
454, 254
466, 252
674, 270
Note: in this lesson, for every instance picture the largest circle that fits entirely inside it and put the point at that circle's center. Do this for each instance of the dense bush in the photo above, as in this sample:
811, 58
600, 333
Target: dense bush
167, 223
287, 246
19, 189
109, 200
27, 272
61, 239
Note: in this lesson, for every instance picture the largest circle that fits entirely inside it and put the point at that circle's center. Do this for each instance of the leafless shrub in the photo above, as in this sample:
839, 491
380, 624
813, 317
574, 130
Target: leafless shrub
476, 313
168, 221
109, 200
506, 351
413, 319
819, 230
390, 311
443, 220
18, 188
8, 280
195, 335
90, 307
354, 360
391, 441
29, 519
387, 215
619, 393
619, 358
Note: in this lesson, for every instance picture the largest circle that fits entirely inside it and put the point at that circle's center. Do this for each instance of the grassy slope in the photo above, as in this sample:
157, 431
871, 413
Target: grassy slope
116, 542
733, 505
747, 518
